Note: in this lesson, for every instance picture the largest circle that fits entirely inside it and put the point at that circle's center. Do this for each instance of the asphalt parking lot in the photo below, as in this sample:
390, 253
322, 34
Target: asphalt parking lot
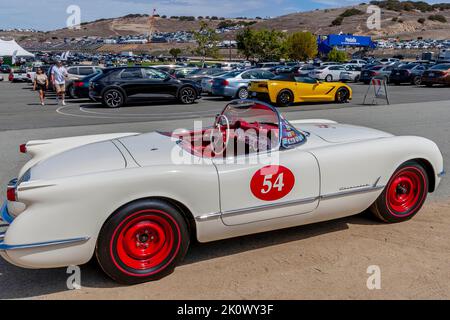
328, 260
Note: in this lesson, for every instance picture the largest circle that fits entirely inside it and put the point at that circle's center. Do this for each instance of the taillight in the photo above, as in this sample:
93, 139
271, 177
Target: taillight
225, 82
23, 148
11, 77
78, 84
11, 194
375, 73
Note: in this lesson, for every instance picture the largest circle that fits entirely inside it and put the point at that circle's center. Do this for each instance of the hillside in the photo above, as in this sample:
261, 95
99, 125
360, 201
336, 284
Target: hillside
402, 24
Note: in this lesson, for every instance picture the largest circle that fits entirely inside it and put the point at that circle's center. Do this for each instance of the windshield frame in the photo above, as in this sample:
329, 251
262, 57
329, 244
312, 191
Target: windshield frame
280, 121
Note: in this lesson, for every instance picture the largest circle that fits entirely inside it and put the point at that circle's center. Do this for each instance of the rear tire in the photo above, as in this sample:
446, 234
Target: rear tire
143, 241
342, 95
187, 95
404, 194
113, 98
285, 99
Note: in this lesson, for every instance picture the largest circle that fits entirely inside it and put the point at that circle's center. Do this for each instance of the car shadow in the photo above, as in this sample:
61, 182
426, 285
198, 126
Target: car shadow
18, 283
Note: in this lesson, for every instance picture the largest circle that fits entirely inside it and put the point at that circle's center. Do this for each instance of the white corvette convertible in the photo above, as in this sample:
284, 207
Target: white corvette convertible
135, 201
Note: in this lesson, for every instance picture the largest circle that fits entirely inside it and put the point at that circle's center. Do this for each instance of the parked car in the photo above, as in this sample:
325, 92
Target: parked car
235, 83
352, 73
198, 74
358, 62
4, 68
285, 90
18, 75
380, 72
121, 199
327, 73
80, 88
116, 87
303, 70
438, 74
408, 73
207, 82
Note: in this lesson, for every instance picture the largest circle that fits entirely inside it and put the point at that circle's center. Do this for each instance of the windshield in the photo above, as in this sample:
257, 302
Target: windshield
264, 119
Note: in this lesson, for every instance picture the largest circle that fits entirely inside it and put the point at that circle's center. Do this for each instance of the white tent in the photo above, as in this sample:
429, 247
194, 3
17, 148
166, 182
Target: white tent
7, 49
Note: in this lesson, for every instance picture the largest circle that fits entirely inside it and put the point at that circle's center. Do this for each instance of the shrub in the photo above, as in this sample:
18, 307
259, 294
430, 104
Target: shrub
337, 22
437, 17
351, 12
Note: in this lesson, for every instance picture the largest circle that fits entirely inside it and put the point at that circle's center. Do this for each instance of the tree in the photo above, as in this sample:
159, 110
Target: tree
268, 45
246, 39
337, 55
207, 40
301, 46
175, 52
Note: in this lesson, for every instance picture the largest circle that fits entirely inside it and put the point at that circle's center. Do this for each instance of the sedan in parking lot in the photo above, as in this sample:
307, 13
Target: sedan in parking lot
408, 73
19, 75
4, 68
352, 73
328, 73
438, 74
80, 88
381, 72
235, 83
117, 87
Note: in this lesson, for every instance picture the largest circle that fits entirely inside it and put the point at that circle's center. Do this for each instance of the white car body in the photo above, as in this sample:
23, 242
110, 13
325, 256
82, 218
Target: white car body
327, 73
77, 183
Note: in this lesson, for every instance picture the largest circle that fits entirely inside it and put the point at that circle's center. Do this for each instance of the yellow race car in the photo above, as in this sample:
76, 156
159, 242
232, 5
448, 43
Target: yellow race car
287, 89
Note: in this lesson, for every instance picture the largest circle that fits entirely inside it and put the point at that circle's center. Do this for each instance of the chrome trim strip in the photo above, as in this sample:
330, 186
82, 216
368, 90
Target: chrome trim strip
351, 192
216, 215
42, 244
442, 174
270, 206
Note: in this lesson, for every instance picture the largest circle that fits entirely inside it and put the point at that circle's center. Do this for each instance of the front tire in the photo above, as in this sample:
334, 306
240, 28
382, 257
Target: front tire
113, 98
342, 95
329, 78
143, 241
242, 94
404, 194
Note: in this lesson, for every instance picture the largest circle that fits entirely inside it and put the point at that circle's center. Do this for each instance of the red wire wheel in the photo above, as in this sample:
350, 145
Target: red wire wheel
143, 242
404, 194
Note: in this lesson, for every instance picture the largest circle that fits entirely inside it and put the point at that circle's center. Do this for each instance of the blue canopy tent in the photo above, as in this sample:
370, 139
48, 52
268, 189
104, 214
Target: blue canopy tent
327, 43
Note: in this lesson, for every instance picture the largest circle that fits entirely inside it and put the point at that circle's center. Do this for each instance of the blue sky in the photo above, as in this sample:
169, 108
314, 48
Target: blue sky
51, 14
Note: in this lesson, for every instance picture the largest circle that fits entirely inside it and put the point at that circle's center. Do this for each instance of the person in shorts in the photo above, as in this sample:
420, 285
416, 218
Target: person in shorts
41, 84
59, 75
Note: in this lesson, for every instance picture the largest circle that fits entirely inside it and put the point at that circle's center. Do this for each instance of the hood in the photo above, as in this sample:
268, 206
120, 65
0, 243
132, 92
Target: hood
90, 158
342, 133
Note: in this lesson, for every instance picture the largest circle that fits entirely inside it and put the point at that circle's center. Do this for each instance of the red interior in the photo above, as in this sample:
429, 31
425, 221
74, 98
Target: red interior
199, 144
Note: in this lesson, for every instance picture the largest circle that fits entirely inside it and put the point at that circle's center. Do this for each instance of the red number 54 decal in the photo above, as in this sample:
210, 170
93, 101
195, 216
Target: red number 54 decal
272, 183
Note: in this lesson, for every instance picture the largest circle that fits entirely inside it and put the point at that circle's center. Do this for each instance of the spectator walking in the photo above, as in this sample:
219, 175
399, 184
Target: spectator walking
59, 75
41, 84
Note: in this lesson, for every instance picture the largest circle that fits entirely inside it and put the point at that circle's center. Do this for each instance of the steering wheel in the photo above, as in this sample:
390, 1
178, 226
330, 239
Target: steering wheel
218, 126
